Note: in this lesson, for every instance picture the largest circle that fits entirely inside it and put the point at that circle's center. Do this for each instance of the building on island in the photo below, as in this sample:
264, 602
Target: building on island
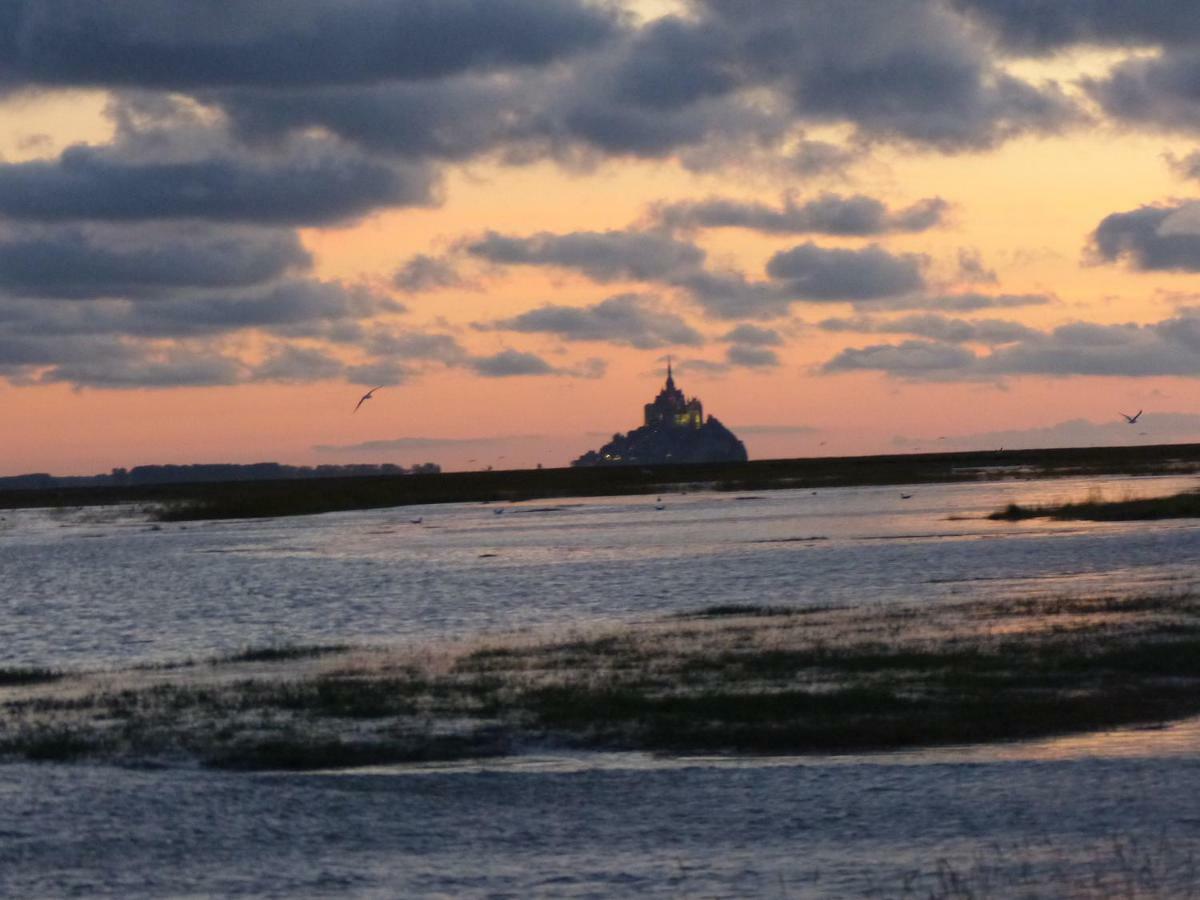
674, 431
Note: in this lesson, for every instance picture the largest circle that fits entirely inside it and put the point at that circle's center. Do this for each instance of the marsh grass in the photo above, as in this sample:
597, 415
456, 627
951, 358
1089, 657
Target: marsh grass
1184, 505
28, 675
279, 652
747, 679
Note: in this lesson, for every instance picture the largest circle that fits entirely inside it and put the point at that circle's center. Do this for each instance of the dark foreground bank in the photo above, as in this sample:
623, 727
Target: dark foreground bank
298, 497
724, 679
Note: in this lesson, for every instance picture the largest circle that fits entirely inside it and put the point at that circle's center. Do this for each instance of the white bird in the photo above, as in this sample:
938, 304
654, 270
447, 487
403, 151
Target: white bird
365, 397
1133, 418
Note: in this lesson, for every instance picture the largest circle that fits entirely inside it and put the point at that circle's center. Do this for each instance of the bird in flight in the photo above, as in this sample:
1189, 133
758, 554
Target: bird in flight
1131, 419
365, 397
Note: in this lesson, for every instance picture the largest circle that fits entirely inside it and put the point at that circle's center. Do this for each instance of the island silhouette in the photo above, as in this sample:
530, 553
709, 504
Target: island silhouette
674, 430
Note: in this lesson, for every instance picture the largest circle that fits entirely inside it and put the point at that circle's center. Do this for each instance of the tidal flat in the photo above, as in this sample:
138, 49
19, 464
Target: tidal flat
736, 679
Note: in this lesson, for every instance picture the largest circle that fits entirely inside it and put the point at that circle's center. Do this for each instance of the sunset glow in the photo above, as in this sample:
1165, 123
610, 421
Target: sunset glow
856, 227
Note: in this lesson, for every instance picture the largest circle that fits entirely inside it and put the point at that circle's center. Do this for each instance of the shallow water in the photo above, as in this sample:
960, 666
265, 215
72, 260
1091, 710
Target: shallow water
1098, 815
1082, 826
105, 587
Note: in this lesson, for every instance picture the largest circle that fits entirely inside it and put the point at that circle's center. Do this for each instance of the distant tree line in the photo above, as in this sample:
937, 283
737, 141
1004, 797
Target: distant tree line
201, 472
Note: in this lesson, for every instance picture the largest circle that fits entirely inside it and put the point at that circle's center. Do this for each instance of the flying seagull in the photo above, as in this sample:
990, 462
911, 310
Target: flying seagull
365, 397
1133, 418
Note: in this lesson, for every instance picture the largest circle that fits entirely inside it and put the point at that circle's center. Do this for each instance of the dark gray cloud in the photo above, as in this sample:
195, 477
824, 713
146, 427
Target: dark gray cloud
98, 184
386, 373
1169, 347
712, 87
289, 308
731, 295
1042, 26
908, 69
142, 367
427, 273
818, 273
508, 363
292, 364
1187, 166
600, 255
936, 327
630, 319
1151, 238
88, 261
972, 301
751, 357
189, 44
1161, 91
972, 269
753, 336
856, 215
399, 346
965, 302
814, 158
910, 359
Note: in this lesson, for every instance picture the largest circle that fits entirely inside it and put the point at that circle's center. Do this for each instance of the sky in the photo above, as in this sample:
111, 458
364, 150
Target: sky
853, 226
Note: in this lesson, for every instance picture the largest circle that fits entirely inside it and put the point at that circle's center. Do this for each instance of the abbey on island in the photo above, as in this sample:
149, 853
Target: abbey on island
674, 430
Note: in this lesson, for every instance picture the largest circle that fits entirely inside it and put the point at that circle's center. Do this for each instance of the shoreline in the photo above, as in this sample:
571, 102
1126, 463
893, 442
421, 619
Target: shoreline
748, 681
269, 498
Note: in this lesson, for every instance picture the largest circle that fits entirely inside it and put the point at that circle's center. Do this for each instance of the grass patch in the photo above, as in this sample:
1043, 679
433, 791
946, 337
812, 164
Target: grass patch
724, 610
28, 675
280, 652
1185, 505
757, 679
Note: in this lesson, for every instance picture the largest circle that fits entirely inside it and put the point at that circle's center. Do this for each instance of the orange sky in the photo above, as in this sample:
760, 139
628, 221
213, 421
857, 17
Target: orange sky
1024, 208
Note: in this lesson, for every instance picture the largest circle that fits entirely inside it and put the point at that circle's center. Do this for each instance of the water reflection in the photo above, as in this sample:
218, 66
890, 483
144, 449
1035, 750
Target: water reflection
105, 587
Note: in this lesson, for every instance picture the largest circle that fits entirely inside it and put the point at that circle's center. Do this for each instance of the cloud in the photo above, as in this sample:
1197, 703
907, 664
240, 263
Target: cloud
910, 359
148, 367
630, 319
312, 187
1042, 26
971, 268
385, 373
292, 364
731, 295
778, 429
289, 308
909, 69
1160, 91
509, 363
600, 255
965, 302
81, 262
751, 357
816, 273
1151, 238
1153, 427
396, 346
718, 84
833, 214
429, 444
753, 336
1170, 347
182, 44
427, 273
937, 328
